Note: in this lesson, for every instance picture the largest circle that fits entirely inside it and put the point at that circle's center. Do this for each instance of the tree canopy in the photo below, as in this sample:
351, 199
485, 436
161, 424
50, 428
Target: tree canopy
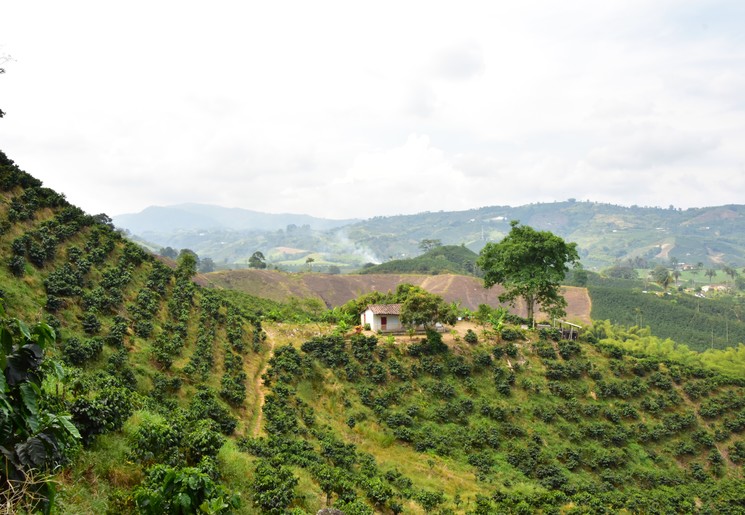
257, 260
529, 264
428, 244
425, 309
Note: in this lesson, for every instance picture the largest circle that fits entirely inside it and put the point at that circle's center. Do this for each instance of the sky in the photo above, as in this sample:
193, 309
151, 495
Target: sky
358, 109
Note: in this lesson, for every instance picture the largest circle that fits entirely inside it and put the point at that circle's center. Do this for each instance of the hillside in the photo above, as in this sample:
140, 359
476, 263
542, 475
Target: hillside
335, 290
604, 234
185, 401
454, 259
700, 323
528, 425
145, 357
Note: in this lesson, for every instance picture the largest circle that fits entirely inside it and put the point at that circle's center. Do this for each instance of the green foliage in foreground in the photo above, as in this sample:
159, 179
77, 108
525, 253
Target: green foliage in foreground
182, 491
36, 436
154, 366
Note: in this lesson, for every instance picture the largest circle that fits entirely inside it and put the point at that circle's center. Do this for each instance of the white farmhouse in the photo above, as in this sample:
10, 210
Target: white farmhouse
382, 317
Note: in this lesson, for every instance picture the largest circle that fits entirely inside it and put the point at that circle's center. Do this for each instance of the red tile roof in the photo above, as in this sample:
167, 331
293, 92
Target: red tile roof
385, 309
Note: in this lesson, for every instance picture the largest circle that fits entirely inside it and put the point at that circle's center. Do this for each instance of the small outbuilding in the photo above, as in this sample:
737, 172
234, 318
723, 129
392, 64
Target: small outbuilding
382, 317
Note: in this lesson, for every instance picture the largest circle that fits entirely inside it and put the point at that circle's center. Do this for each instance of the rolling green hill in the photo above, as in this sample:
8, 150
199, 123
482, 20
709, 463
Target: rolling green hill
604, 233
188, 399
443, 259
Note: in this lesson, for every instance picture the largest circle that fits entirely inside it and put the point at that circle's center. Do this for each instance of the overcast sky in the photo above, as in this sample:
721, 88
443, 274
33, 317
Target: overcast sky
351, 109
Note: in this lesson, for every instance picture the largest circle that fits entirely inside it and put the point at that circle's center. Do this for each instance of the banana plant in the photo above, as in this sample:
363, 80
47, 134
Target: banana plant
34, 438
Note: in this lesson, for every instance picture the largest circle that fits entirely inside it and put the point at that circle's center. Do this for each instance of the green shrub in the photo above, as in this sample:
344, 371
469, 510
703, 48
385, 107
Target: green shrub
202, 442
77, 351
510, 334
105, 412
273, 486
169, 490
204, 405
156, 442
471, 337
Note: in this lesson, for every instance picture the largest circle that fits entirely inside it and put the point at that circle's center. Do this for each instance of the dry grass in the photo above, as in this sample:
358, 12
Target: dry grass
18, 497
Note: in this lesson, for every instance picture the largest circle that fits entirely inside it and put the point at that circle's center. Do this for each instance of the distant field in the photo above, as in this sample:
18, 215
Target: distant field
692, 278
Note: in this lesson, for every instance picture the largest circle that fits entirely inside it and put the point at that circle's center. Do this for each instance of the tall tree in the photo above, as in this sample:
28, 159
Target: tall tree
168, 252
676, 275
429, 244
661, 275
730, 271
257, 260
188, 261
206, 265
529, 264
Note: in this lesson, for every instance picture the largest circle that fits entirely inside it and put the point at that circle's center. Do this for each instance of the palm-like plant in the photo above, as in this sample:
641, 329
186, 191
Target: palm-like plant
710, 273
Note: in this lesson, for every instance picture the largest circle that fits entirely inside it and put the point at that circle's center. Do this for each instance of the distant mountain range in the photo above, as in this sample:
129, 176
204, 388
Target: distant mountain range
604, 233
199, 217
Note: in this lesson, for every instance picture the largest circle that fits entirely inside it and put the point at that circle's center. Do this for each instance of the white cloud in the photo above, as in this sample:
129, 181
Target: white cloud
303, 107
648, 147
459, 61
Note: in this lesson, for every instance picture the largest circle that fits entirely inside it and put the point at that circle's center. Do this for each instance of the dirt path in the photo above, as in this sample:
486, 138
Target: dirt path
259, 384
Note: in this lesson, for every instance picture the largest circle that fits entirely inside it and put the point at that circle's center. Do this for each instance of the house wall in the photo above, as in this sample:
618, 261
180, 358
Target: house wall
393, 322
367, 317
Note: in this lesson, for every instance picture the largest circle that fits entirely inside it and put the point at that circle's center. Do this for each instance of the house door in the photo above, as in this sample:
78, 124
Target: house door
383, 322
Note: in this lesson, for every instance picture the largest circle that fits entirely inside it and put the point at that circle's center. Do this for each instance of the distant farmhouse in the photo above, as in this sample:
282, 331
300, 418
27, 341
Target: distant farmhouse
382, 317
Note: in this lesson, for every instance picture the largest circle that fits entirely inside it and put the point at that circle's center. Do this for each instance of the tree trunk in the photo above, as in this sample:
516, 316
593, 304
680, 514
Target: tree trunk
531, 308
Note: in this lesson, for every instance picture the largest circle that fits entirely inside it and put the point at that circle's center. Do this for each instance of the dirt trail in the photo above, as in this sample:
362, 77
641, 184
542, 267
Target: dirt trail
259, 384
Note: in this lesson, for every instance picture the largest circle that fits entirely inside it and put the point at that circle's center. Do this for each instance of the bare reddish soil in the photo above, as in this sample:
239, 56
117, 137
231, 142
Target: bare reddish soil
335, 290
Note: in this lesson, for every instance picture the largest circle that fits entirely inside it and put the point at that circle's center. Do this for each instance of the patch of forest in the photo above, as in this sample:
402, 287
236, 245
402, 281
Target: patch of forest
442, 259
